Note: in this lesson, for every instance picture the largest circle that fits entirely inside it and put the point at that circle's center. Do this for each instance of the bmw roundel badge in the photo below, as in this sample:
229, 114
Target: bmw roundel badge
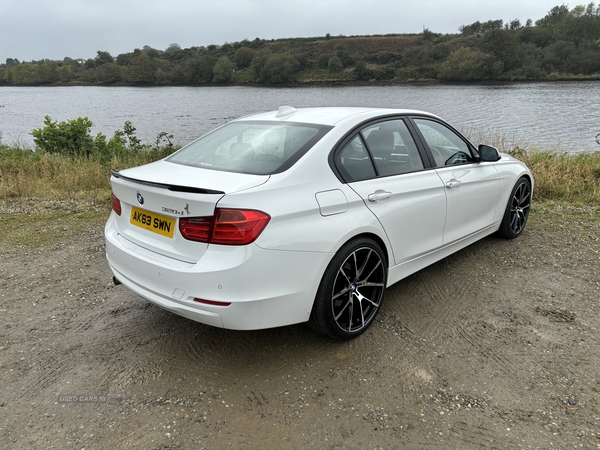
140, 199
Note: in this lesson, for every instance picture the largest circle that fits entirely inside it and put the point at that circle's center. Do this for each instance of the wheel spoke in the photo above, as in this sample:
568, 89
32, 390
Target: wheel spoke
364, 264
524, 194
362, 297
372, 285
345, 276
516, 222
342, 292
515, 200
349, 302
374, 268
350, 310
362, 314
513, 222
356, 270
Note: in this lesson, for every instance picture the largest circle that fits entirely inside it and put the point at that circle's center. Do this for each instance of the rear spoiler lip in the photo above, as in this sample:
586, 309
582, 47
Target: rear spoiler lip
171, 187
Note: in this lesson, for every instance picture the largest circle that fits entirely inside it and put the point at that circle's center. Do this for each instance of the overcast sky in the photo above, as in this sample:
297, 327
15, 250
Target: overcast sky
38, 29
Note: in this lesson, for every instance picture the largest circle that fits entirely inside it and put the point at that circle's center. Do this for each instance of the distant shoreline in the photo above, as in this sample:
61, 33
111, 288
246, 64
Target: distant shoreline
325, 83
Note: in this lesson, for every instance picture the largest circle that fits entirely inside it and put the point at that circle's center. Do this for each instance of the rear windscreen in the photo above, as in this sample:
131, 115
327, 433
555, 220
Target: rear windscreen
259, 148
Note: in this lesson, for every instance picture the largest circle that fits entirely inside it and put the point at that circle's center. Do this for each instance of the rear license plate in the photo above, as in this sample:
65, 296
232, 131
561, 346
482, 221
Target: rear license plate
156, 223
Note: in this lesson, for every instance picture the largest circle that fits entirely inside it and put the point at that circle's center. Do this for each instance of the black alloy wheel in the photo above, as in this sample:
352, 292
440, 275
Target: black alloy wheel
351, 291
517, 210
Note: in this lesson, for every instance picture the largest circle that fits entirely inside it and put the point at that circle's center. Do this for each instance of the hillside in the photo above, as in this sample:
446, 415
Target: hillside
564, 44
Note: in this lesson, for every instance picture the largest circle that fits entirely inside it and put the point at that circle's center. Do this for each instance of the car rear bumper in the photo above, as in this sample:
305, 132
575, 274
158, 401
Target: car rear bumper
265, 288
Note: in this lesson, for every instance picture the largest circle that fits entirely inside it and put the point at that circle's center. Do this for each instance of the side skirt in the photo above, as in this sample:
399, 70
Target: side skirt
407, 268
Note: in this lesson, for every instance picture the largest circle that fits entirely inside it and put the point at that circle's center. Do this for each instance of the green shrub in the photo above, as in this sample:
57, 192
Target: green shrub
243, 57
223, 70
60, 168
70, 138
279, 69
465, 64
335, 65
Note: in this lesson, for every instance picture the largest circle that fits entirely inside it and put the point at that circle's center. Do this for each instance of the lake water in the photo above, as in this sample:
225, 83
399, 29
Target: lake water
562, 116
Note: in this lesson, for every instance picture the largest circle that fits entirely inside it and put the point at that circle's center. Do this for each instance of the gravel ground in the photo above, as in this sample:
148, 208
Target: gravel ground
494, 347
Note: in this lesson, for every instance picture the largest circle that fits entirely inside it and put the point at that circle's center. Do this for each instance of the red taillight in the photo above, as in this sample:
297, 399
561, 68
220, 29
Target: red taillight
196, 228
116, 204
238, 227
226, 227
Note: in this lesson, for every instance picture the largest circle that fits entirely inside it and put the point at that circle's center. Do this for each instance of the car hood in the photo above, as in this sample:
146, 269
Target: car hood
172, 174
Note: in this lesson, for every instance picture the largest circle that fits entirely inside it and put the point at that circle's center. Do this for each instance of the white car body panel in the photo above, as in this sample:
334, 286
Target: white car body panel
273, 281
509, 169
471, 198
413, 216
407, 268
223, 274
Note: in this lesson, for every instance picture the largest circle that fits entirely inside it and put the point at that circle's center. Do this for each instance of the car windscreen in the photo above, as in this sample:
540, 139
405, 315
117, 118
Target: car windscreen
258, 148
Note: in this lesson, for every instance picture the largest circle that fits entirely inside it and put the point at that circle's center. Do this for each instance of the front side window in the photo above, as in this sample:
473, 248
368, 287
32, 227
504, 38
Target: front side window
259, 148
447, 148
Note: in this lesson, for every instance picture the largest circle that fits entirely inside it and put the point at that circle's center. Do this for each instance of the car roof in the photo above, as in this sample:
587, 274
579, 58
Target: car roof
328, 115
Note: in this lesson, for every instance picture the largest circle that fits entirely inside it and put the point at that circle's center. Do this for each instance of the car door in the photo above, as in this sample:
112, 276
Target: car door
382, 164
471, 186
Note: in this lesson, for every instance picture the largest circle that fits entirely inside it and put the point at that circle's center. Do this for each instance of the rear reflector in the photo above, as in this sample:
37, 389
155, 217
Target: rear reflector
226, 227
116, 204
212, 302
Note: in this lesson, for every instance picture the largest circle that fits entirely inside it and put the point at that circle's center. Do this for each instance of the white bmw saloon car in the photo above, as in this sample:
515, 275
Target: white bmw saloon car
306, 215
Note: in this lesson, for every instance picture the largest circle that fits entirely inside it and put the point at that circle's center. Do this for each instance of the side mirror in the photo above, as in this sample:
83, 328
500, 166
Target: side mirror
487, 153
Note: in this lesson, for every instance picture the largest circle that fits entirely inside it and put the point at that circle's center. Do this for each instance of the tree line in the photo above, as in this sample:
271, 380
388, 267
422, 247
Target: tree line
563, 44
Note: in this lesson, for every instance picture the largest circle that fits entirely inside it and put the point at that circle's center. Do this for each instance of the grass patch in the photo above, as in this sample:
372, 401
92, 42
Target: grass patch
47, 227
563, 177
556, 214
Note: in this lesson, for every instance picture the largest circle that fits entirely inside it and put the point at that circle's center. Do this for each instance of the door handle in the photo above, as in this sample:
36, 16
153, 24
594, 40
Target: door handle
379, 196
452, 184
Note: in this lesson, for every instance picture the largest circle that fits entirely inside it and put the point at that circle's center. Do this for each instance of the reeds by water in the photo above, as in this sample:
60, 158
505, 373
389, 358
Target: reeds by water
24, 173
559, 177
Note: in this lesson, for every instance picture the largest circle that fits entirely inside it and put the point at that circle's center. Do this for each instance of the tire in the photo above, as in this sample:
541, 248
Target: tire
351, 291
517, 210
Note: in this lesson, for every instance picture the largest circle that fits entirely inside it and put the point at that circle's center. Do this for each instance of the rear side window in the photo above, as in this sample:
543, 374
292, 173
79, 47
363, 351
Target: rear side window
382, 149
354, 161
393, 148
259, 148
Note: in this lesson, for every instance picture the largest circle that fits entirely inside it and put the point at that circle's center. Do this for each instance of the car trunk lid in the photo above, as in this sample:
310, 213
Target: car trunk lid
156, 196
